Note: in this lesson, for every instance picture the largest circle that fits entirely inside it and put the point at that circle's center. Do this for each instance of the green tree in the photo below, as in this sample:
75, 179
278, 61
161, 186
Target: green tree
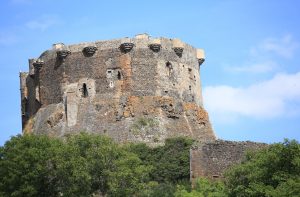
113, 169
170, 163
273, 171
41, 166
100, 154
79, 165
203, 188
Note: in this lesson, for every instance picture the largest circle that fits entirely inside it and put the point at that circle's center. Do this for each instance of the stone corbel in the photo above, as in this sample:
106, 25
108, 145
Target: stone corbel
178, 47
155, 47
200, 61
38, 64
62, 54
178, 51
126, 47
90, 50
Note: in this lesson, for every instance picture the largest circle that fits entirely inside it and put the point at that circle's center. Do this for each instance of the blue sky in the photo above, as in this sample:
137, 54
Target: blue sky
251, 76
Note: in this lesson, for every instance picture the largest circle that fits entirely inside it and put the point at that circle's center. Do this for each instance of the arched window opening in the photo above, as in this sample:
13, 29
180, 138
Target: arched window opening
84, 91
170, 67
119, 75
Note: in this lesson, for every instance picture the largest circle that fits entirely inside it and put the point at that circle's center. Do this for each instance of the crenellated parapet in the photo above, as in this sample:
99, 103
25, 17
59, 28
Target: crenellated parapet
126, 45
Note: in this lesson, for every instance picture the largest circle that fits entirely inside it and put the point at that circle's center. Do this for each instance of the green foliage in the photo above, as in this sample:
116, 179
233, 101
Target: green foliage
274, 171
203, 188
81, 165
87, 165
40, 166
154, 189
129, 176
170, 162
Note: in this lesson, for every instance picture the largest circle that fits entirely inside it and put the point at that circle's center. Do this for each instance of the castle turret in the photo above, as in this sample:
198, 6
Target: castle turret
132, 89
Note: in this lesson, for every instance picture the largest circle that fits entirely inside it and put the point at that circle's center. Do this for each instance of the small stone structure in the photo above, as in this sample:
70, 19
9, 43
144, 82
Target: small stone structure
139, 89
211, 159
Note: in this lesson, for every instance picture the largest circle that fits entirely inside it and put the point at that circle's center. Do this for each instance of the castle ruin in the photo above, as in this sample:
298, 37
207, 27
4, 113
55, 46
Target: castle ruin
139, 89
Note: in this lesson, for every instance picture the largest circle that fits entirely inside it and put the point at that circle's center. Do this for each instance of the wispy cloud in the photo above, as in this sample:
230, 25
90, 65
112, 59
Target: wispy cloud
43, 23
284, 47
279, 96
254, 68
266, 54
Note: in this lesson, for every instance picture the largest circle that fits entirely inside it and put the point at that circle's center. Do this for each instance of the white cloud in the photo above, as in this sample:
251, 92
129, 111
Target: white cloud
255, 68
43, 23
267, 99
265, 53
284, 47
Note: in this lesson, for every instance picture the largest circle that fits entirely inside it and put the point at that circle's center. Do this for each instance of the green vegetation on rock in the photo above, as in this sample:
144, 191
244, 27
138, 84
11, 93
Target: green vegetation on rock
143, 125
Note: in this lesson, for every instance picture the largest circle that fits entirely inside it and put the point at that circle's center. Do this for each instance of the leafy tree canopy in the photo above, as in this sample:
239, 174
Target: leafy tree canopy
273, 171
89, 165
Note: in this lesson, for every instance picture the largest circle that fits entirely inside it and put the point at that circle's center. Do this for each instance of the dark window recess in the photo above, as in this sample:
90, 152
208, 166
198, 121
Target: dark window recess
119, 75
191, 73
190, 87
168, 64
85, 92
170, 67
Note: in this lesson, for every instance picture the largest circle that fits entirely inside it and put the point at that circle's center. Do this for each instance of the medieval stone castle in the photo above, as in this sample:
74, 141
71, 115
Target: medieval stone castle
139, 89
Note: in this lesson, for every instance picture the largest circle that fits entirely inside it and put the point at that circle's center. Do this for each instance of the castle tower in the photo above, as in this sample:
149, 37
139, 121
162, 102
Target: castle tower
139, 89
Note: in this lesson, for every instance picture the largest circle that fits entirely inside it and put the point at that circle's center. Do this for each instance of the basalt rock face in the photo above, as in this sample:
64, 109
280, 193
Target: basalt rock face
131, 89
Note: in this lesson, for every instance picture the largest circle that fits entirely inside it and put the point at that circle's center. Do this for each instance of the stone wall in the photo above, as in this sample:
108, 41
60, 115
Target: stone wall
211, 159
132, 89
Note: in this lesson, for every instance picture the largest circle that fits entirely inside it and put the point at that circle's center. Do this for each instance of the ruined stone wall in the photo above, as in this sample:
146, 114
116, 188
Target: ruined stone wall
132, 89
211, 159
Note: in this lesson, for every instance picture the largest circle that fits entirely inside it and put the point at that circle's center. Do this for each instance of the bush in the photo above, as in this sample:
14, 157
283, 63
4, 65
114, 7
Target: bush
203, 188
170, 163
81, 165
274, 171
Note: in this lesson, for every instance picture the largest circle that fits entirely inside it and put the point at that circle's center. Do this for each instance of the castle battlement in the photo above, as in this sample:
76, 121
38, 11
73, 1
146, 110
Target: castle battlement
132, 89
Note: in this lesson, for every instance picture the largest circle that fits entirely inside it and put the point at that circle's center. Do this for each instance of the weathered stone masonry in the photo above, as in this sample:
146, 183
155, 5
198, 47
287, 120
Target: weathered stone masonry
211, 159
132, 89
